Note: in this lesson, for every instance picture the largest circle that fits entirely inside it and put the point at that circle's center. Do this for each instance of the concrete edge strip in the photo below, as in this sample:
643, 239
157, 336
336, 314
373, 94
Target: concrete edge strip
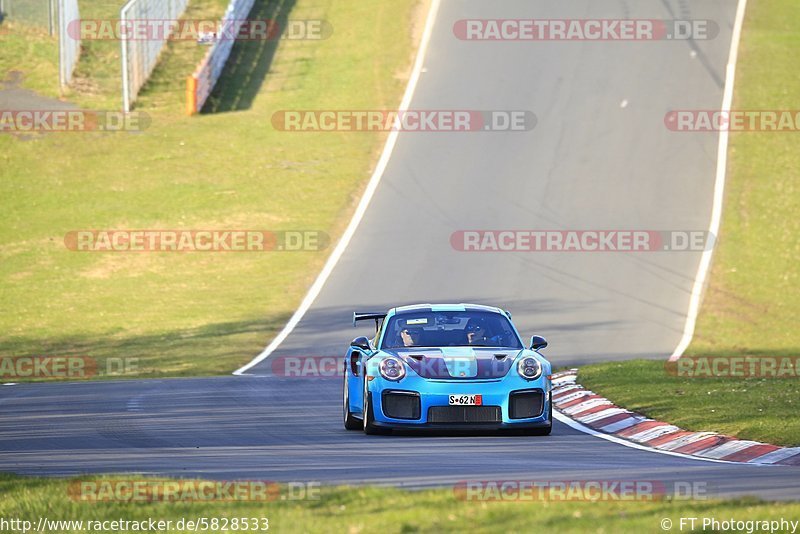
593, 414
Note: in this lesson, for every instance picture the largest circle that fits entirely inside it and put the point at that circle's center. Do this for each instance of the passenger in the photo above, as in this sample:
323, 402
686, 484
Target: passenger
411, 336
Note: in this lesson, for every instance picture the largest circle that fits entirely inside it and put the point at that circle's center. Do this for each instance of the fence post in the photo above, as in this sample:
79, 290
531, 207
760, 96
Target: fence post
191, 95
62, 62
126, 99
52, 13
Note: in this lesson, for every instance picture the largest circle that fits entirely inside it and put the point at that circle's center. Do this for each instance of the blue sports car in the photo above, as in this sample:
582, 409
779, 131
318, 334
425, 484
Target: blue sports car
446, 367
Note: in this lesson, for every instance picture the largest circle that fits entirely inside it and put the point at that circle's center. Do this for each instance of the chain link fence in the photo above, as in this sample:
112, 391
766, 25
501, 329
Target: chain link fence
55, 16
40, 13
140, 56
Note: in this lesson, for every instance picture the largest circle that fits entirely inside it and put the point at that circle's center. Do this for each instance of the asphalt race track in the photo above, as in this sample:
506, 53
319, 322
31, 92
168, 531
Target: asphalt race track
589, 164
599, 158
256, 428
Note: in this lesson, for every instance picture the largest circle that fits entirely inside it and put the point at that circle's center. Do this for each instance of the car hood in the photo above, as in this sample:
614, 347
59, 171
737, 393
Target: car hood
457, 362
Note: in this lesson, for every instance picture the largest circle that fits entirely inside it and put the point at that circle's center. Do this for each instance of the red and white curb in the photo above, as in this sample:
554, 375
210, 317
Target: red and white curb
603, 416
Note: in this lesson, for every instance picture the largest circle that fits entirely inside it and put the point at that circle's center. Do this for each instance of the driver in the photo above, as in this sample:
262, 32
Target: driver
410, 336
478, 334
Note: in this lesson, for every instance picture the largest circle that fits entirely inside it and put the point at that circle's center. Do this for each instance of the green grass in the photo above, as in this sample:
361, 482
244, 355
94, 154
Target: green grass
752, 304
32, 50
97, 82
194, 313
367, 509
762, 409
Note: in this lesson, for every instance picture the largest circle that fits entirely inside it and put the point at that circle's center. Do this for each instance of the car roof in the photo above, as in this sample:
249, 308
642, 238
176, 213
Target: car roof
445, 307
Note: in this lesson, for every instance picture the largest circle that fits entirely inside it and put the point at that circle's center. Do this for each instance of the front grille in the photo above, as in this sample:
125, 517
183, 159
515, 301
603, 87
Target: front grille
401, 404
464, 414
526, 404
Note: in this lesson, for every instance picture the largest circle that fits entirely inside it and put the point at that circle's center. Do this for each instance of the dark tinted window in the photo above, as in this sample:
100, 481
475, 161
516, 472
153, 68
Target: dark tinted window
450, 329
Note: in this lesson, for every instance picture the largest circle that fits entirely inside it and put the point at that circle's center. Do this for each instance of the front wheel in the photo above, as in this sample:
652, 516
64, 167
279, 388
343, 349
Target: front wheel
369, 418
350, 421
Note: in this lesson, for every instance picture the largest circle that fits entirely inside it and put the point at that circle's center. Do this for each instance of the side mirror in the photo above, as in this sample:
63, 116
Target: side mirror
362, 343
538, 342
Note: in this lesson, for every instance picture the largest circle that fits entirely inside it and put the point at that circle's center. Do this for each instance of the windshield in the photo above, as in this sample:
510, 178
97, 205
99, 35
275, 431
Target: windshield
450, 329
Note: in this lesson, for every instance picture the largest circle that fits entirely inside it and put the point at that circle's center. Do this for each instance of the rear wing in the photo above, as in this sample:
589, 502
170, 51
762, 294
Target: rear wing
367, 316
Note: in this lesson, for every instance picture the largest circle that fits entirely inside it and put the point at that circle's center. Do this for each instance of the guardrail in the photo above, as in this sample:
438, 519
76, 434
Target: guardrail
200, 84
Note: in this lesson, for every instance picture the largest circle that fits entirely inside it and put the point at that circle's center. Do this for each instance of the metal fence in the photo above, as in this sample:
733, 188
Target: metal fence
55, 15
41, 13
202, 81
69, 44
140, 56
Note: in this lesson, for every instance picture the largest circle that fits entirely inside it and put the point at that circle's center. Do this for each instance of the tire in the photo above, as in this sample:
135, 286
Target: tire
350, 421
369, 419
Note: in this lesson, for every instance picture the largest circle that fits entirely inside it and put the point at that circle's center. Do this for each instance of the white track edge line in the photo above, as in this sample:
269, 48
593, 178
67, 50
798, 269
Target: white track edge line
372, 185
620, 441
719, 189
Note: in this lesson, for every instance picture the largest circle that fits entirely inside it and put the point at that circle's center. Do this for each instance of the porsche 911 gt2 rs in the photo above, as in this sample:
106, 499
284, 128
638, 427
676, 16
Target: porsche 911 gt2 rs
448, 366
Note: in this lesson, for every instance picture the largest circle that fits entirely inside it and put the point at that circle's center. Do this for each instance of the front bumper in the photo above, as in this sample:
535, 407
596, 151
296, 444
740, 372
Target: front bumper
489, 427
435, 393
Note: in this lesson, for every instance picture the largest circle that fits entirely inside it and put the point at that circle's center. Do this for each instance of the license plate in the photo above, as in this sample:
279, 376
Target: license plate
466, 400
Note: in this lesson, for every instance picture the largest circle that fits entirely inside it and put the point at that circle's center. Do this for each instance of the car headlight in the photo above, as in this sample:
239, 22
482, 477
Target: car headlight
529, 368
392, 369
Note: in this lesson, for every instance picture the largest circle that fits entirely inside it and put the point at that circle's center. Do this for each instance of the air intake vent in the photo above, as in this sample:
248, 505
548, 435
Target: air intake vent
401, 404
526, 404
464, 414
